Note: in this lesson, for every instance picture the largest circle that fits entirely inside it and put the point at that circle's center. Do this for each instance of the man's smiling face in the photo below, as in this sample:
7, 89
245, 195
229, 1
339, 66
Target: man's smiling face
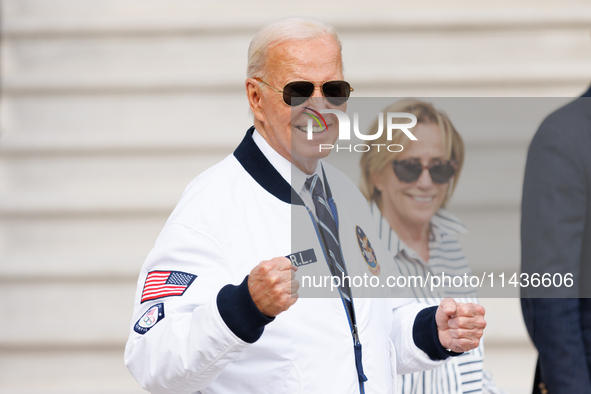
285, 128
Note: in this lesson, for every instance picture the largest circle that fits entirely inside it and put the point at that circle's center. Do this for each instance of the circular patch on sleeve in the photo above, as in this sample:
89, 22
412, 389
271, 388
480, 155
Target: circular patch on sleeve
367, 251
149, 319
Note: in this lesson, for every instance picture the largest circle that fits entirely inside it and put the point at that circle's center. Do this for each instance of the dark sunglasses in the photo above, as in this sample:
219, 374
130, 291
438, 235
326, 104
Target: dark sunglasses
409, 171
336, 92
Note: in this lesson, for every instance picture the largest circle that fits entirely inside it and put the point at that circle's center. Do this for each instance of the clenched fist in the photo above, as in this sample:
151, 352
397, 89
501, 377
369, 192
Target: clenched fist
273, 286
460, 326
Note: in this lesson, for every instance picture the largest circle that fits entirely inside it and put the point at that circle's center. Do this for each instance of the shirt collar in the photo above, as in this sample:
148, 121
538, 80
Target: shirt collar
299, 177
447, 223
442, 223
293, 175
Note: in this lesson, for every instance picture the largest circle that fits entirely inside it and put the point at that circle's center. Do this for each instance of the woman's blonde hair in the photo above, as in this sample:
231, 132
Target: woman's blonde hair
372, 160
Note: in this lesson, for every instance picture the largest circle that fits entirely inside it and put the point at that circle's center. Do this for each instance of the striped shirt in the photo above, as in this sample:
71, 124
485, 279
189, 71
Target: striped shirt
462, 374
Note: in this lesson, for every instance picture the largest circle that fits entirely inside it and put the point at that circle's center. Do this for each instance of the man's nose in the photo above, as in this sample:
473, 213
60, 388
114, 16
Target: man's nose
317, 90
317, 100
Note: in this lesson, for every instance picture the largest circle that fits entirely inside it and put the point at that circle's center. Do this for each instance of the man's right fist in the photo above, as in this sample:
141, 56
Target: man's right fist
272, 286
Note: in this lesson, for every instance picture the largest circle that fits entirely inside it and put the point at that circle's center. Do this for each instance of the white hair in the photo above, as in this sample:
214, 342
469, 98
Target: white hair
276, 33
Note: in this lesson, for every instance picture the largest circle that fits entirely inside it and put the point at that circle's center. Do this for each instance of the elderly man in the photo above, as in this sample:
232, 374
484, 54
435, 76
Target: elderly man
217, 307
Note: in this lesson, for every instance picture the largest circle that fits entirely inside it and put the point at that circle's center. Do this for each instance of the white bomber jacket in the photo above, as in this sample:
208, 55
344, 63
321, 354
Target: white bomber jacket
200, 331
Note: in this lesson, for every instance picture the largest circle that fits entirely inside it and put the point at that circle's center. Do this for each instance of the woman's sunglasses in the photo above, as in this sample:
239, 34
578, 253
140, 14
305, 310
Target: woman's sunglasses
336, 92
441, 171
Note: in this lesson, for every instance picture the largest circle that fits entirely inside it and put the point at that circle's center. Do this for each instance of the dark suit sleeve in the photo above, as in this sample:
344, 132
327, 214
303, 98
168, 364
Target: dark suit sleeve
552, 230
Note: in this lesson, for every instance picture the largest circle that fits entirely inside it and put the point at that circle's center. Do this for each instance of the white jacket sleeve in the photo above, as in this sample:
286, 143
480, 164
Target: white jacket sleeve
190, 345
409, 357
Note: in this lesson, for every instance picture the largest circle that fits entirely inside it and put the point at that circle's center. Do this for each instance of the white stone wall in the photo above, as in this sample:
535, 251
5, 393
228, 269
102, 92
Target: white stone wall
108, 108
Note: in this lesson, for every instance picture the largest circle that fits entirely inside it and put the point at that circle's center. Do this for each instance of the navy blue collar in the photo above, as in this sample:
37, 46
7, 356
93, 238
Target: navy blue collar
587, 93
262, 171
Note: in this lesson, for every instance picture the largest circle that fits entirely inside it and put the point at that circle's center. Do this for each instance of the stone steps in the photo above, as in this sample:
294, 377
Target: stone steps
217, 62
46, 371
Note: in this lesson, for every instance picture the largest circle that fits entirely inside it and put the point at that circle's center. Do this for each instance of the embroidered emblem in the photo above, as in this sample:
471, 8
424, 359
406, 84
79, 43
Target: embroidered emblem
302, 258
367, 251
165, 284
149, 319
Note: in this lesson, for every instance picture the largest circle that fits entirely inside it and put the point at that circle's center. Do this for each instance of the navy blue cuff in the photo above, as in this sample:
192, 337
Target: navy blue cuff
240, 313
426, 337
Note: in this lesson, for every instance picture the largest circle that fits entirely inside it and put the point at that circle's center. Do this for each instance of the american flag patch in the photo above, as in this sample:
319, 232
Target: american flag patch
165, 284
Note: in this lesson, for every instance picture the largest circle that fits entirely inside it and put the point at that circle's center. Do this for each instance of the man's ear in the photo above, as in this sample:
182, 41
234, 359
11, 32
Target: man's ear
253, 93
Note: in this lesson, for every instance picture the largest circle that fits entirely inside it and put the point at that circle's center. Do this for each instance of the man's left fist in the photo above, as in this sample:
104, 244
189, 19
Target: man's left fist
460, 326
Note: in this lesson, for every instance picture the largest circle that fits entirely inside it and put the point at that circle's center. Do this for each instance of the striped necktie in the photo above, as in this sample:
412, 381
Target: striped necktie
328, 229
329, 232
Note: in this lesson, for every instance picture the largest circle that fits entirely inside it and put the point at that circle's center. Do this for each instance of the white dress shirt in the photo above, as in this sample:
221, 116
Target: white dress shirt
293, 175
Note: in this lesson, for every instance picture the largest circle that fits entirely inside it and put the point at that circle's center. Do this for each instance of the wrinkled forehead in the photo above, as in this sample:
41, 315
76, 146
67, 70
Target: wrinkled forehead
292, 57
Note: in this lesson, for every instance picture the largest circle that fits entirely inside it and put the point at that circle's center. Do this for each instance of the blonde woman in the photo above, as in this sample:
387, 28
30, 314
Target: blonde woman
408, 191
